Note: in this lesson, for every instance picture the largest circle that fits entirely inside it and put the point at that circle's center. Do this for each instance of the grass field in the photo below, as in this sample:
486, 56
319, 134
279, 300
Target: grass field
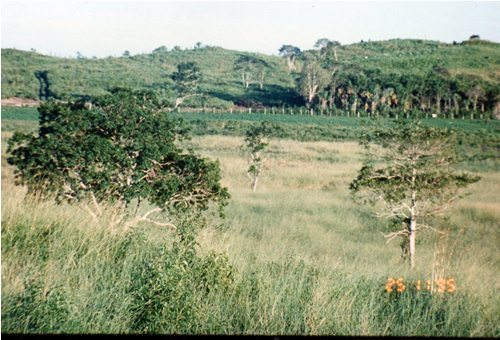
303, 257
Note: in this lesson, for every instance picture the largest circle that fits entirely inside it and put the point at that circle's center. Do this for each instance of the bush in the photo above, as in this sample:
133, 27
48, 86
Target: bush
116, 148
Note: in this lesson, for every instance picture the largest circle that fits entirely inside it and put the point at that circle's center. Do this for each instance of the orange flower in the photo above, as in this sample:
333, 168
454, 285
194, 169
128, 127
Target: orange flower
441, 285
451, 285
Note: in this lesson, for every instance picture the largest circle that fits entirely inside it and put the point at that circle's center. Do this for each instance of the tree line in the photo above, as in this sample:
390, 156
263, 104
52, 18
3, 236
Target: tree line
328, 79
326, 83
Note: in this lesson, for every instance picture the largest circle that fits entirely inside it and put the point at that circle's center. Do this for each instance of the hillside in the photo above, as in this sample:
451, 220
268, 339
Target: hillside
93, 76
470, 63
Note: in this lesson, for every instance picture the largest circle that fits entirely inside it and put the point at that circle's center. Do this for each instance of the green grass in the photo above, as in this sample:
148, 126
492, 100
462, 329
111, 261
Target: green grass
19, 113
478, 140
295, 257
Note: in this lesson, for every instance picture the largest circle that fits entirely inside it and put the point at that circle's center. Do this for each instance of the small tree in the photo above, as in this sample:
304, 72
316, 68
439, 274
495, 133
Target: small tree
122, 148
416, 180
187, 79
256, 141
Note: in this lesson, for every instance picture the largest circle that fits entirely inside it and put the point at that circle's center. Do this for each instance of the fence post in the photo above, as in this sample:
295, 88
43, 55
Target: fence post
265, 109
249, 110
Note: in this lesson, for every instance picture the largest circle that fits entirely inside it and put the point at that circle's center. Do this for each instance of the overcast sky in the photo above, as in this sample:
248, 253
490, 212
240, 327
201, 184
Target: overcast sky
99, 28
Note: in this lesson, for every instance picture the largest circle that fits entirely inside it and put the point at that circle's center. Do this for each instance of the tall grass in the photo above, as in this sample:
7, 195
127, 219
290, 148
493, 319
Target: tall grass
295, 257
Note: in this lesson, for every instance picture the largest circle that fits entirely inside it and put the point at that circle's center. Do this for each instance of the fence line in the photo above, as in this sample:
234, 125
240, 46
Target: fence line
302, 111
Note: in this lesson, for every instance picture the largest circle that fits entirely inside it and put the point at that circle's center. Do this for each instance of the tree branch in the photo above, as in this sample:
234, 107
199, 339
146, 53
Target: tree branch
146, 219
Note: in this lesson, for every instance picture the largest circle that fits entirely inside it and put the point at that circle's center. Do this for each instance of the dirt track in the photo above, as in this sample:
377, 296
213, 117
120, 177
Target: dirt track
19, 102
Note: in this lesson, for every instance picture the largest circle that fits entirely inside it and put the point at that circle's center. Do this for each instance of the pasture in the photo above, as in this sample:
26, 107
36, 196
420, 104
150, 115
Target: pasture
304, 258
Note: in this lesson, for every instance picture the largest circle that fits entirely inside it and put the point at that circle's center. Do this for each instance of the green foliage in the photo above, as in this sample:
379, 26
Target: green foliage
400, 65
431, 151
120, 147
256, 141
168, 287
251, 68
312, 79
291, 53
416, 181
187, 79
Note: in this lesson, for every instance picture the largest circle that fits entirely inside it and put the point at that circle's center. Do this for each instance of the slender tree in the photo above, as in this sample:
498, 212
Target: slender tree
256, 139
416, 180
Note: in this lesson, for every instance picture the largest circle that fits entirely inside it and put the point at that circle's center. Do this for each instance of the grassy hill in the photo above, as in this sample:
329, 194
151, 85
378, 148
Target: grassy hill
222, 84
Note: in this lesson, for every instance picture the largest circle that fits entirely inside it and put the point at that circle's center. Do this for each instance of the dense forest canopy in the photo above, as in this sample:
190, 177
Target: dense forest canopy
365, 77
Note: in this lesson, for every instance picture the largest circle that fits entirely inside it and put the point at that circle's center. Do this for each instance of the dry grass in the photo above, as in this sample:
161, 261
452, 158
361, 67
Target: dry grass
301, 211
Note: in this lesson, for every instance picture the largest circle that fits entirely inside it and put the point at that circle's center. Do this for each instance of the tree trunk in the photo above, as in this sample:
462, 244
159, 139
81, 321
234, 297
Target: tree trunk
374, 107
413, 217
178, 101
331, 99
455, 103
254, 184
413, 231
290, 63
438, 104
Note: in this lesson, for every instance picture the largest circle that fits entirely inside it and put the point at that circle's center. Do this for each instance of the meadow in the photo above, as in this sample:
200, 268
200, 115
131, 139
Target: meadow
297, 256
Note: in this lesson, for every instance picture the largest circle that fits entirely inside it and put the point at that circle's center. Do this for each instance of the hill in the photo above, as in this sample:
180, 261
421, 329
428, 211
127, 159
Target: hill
397, 65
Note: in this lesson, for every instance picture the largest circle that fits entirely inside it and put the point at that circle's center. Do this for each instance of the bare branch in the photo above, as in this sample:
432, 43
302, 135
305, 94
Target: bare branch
146, 219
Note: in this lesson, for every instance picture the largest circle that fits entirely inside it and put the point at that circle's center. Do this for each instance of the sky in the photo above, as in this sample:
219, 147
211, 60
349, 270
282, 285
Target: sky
104, 28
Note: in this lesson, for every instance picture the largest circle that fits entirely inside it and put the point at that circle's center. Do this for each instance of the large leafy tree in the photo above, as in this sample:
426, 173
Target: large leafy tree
252, 69
313, 79
123, 147
326, 48
415, 180
187, 78
291, 53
